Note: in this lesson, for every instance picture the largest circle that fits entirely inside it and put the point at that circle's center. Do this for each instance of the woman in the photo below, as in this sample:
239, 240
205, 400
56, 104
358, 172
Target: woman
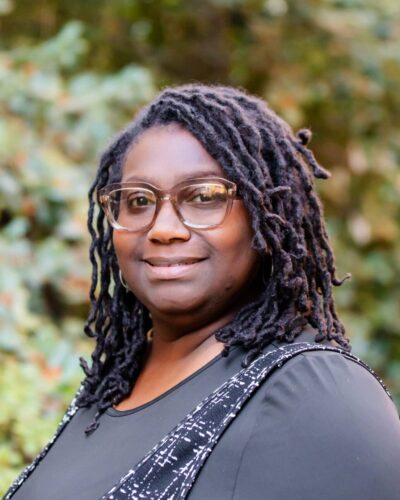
210, 255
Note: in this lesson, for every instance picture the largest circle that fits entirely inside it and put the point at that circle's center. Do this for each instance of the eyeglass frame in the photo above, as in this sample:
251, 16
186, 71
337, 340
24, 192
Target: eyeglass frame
166, 195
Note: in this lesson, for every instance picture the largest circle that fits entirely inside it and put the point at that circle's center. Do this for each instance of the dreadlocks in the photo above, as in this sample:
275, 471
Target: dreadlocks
273, 170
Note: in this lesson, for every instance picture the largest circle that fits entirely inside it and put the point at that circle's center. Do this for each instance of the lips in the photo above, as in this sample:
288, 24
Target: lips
170, 268
172, 261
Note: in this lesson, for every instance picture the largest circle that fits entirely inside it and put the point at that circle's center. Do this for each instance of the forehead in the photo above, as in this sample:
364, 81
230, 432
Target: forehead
167, 155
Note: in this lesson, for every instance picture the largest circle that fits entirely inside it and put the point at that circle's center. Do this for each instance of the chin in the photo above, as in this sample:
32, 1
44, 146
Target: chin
178, 304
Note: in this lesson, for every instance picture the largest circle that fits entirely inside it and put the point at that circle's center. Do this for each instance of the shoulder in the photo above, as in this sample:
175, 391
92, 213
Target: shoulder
331, 392
328, 375
325, 429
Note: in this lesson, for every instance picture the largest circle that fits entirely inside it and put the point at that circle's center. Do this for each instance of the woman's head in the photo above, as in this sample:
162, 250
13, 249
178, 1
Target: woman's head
190, 261
283, 230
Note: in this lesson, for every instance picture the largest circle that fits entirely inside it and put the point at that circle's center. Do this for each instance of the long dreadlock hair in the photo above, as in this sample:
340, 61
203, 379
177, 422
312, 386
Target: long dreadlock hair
274, 171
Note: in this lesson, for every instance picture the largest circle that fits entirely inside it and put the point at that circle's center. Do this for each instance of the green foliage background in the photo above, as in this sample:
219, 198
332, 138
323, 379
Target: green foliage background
72, 73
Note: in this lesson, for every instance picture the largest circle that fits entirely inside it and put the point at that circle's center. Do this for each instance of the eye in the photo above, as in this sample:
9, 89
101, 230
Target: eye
139, 199
206, 194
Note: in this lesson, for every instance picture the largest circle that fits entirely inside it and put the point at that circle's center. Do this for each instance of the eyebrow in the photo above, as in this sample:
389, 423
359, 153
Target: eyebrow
199, 174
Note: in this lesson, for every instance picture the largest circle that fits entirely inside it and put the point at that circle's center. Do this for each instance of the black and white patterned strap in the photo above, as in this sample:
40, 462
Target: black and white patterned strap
169, 470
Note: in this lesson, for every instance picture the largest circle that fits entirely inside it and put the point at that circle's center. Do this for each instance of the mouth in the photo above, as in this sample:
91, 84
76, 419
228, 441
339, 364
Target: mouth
170, 268
172, 261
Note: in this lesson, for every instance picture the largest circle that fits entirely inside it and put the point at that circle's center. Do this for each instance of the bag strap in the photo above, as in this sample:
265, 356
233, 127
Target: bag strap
170, 469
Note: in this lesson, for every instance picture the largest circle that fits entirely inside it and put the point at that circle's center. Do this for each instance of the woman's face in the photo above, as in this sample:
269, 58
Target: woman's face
219, 265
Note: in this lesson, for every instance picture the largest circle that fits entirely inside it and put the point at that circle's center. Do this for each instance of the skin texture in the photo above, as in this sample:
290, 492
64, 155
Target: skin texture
187, 309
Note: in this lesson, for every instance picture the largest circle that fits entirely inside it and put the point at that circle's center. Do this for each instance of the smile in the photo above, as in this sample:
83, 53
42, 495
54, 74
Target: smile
170, 268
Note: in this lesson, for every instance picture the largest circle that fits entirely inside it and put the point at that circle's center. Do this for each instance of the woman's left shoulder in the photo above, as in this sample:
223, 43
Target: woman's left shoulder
325, 428
329, 381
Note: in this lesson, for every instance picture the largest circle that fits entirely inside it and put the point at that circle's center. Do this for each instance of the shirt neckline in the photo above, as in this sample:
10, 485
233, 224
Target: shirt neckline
112, 412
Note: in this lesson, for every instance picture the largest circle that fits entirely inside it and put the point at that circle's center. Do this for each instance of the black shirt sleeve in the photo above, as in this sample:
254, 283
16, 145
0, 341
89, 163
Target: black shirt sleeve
325, 429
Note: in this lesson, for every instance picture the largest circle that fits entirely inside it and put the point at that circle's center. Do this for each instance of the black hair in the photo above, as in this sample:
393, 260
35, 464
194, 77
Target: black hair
273, 169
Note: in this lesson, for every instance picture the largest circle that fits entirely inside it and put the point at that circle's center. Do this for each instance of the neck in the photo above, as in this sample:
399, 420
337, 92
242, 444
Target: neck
171, 344
180, 337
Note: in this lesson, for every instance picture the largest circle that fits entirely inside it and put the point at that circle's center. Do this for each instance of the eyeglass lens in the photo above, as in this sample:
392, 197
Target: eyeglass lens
199, 205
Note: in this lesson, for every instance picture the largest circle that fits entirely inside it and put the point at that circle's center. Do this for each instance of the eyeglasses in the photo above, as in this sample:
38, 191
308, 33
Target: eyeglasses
199, 203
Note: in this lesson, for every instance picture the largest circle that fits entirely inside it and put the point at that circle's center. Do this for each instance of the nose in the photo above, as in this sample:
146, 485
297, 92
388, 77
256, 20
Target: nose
167, 226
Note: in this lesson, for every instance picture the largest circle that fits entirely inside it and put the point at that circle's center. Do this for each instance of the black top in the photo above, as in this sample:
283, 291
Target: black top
320, 427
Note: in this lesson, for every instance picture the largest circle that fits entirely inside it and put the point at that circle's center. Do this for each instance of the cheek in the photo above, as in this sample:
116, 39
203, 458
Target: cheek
237, 260
125, 245
240, 268
120, 245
